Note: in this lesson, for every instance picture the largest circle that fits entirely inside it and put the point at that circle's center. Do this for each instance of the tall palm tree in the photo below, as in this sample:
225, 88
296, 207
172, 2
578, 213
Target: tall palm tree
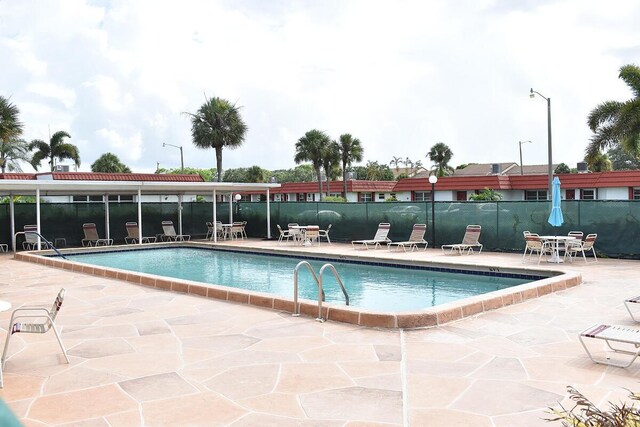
255, 174
217, 125
55, 149
11, 152
10, 130
395, 162
408, 162
615, 122
331, 162
416, 167
440, 154
311, 148
350, 151
599, 163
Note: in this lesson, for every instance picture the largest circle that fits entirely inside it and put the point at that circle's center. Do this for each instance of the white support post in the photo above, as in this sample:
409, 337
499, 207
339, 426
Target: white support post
12, 214
215, 216
139, 216
268, 217
106, 216
38, 215
230, 208
180, 214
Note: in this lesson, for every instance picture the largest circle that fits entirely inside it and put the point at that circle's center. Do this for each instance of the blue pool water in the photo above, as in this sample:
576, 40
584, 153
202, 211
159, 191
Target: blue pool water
369, 286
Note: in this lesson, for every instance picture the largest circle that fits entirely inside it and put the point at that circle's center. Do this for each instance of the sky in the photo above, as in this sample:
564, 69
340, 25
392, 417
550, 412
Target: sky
400, 76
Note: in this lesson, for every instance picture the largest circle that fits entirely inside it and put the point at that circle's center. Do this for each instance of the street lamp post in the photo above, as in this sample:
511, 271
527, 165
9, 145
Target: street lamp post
533, 94
164, 144
432, 180
520, 143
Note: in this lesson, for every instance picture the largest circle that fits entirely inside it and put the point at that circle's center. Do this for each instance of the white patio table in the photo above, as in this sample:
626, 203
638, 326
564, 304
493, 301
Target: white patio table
555, 245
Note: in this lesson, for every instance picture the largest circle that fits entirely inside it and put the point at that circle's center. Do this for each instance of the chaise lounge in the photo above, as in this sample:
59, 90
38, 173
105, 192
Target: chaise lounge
416, 238
379, 238
613, 334
469, 242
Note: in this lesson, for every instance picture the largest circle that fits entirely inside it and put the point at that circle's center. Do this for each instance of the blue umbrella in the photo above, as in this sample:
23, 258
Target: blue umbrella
555, 218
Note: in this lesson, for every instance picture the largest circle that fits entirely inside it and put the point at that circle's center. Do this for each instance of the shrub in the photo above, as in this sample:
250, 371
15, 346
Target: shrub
586, 414
338, 199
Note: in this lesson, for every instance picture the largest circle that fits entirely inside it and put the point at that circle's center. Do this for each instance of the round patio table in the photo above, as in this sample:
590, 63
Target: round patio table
555, 246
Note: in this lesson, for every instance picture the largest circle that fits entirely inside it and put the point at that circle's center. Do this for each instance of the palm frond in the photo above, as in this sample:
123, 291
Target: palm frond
631, 75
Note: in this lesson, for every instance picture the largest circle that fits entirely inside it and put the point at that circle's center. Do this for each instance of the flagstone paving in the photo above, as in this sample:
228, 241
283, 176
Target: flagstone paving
144, 356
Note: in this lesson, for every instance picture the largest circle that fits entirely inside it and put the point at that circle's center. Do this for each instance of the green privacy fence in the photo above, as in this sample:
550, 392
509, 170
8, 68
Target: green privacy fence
617, 223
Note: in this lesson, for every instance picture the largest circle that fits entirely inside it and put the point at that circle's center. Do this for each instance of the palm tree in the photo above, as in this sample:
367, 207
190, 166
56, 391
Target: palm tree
255, 174
350, 151
217, 125
408, 163
395, 161
55, 149
599, 163
10, 130
311, 148
330, 162
109, 163
440, 154
416, 167
11, 152
615, 122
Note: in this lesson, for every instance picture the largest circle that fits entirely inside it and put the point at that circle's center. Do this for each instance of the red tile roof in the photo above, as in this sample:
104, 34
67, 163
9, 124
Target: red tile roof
17, 176
99, 176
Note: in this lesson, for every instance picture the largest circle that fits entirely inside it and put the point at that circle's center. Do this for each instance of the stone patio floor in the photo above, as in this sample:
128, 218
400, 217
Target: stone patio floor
142, 356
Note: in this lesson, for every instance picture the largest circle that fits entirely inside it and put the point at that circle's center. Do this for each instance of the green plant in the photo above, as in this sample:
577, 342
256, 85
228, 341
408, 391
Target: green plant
338, 199
391, 199
586, 414
487, 194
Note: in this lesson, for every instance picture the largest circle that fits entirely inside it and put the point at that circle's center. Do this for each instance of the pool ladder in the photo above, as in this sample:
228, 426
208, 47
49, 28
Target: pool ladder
46, 242
318, 280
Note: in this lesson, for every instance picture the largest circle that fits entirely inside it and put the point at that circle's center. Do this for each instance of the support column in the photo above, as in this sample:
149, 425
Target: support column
268, 216
12, 216
180, 214
230, 208
107, 229
139, 216
215, 216
38, 215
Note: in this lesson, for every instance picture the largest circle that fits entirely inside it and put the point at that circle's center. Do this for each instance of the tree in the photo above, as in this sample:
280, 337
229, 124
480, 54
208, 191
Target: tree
350, 151
440, 154
562, 168
55, 149
331, 162
599, 163
408, 163
374, 171
12, 151
311, 148
395, 162
487, 194
256, 174
416, 167
615, 122
622, 159
10, 130
217, 125
109, 163
302, 173
206, 174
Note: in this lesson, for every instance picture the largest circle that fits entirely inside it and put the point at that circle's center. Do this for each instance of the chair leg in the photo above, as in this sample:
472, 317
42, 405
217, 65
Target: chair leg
64, 351
3, 361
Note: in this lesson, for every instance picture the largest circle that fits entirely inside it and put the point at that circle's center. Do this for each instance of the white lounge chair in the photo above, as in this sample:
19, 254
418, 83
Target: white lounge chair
469, 241
210, 230
614, 334
170, 233
379, 238
628, 303
91, 237
31, 238
133, 234
416, 238
41, 321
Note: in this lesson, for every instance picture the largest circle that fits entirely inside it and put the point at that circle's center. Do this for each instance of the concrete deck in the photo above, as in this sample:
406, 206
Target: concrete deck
144, 356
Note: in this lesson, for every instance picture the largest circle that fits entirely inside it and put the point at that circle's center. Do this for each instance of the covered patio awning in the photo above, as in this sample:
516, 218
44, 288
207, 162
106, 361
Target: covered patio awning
48, 187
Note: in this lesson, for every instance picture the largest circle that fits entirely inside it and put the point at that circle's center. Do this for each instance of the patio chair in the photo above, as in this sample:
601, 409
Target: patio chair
210, 230
284, 234
628, 304
41, 321
469, 241
380, 237
534, 244
625, 335
311, 234
132, 234
170, 233
91, 237
4, 247
296, 233
236, 230
244, 230
416, 238
31, 239
573, 248
325, 234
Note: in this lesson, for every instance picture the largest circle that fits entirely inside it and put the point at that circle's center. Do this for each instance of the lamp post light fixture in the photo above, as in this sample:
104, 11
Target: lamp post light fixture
520, 143
532, 94
164, 144
432, 180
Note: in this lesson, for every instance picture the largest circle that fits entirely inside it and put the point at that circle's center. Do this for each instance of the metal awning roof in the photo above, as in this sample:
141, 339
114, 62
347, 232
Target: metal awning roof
66, 188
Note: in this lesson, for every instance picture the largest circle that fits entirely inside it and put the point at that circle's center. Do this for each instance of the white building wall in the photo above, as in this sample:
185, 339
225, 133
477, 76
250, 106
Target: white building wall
616, 193
352, 197
403, 196
445, 196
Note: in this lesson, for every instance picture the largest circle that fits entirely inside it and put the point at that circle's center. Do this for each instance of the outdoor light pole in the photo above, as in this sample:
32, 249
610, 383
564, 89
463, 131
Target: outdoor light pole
533, 94
433, 179
520, 143
164, 144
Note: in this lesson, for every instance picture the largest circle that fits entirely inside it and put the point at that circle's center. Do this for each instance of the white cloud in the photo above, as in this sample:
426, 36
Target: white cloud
400, 76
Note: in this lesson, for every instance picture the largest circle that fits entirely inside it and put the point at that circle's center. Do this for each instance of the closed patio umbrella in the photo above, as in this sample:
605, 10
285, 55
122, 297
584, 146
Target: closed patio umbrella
555, 217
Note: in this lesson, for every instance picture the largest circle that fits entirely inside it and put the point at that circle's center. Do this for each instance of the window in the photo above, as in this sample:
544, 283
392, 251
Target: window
366, 197
95, 199
422, 196
335, 194
380, 196
588, 194
277, 197
84, 199
309, 197
636, 194
301, 197
535, 195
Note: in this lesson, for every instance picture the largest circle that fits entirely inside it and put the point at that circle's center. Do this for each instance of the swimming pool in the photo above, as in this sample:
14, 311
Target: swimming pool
372, 286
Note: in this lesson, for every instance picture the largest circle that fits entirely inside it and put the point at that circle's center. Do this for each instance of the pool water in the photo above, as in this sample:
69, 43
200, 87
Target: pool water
369, 286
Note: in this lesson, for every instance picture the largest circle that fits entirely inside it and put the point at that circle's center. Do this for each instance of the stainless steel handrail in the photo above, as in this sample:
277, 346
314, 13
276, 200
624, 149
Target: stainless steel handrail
335, 273
296, 307
48, 243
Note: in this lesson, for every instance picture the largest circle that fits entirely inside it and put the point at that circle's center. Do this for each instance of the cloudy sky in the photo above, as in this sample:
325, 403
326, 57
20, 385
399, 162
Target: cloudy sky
399, 75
